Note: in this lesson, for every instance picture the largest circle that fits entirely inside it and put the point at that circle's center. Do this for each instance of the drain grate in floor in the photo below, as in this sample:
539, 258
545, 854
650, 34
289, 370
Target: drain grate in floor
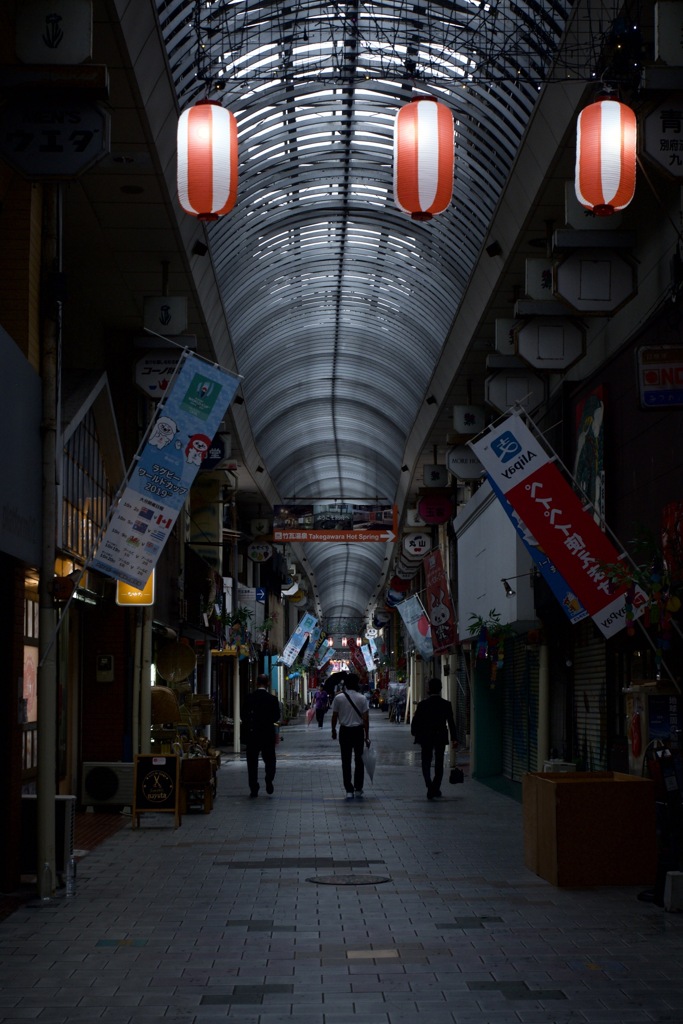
348, 879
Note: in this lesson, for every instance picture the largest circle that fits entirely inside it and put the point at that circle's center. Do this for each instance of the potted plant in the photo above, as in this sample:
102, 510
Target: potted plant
490, 635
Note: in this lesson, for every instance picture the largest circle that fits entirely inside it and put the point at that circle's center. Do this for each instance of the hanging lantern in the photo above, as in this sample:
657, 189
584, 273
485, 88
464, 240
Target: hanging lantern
605, 179
423, 158
207, 160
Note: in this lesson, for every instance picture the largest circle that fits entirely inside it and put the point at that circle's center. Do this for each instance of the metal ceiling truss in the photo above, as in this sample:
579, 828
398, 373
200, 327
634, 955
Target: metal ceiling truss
338, 304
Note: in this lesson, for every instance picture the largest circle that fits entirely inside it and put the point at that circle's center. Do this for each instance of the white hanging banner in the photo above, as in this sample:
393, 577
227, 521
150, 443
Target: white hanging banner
162, 473
416, 622
367, 658
297, 639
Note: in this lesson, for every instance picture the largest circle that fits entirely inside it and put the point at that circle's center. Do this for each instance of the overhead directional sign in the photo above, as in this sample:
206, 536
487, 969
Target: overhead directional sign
335, 522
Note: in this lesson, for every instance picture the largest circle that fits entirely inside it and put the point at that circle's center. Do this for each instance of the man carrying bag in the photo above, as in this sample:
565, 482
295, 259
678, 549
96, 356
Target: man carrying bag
432, 721
350, 709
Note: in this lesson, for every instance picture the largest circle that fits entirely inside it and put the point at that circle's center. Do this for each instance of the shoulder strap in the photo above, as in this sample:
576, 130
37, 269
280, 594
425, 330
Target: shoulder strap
359, 713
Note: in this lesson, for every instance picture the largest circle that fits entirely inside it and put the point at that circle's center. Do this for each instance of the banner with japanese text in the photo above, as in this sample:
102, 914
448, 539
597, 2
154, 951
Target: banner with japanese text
298, 638
367, 656
160, 478
439, 604
520, 468
416, 622
325, 656
314, 642
564, 596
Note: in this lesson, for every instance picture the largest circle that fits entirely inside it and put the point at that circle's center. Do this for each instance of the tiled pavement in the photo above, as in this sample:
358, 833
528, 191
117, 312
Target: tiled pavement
303, 907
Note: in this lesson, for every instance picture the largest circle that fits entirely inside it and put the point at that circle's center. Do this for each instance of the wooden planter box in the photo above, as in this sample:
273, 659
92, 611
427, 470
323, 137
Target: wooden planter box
590, 828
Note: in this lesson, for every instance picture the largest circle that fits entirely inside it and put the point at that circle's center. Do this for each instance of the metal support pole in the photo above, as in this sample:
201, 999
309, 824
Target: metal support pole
47, 668
543, 744
146, 683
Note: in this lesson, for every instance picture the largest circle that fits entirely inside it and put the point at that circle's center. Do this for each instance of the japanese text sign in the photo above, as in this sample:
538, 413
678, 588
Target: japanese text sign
521, 469
162, 474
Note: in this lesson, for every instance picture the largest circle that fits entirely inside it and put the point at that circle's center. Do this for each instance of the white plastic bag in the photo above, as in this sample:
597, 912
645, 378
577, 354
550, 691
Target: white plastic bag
370, 760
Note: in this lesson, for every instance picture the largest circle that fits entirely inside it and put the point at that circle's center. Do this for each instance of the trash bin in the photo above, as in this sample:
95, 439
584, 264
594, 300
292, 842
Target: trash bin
590, 828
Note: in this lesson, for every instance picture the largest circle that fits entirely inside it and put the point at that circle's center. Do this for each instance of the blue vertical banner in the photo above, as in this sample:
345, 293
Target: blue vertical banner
325, 657
160, 478
298, 638
313, 644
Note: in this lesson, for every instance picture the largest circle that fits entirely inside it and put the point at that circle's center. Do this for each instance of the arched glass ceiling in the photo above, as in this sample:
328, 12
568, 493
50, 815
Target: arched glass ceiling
338, 304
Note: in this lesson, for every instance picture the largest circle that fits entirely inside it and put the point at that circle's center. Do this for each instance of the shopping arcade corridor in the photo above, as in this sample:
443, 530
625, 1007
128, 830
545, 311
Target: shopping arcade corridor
304, 907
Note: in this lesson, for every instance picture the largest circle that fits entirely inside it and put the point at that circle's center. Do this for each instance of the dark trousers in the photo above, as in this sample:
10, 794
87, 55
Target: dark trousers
266, 749
319, 716
436, 751
351, 743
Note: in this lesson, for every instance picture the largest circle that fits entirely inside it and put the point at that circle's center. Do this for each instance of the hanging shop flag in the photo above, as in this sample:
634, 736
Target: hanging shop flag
367, 657
357, 659
161, 475
439, 604
519, 466
298, 638
327, 654
567, 600
313, 645
416, 622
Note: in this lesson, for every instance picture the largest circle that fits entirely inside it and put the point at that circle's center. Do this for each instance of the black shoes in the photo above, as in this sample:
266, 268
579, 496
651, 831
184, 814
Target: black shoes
269, 787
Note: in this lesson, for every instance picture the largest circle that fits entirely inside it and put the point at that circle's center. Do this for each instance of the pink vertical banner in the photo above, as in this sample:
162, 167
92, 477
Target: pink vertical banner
439, 604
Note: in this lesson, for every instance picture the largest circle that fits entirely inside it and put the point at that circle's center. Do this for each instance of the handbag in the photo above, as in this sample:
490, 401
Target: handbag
457, 775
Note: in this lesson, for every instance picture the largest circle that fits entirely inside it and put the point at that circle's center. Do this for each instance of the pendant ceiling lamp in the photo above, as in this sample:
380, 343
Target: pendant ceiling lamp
423, 158
605, 178
207, 160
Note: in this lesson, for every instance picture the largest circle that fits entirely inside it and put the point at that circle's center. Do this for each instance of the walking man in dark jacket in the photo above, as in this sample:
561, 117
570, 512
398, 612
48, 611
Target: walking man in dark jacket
432, 721
259, 717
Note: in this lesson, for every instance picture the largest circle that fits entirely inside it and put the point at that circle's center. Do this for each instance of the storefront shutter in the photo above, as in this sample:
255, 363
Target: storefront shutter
590, 699
520, 736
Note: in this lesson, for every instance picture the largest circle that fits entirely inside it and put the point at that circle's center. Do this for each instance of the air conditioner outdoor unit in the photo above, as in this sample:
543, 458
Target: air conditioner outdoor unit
65, 811
107, 783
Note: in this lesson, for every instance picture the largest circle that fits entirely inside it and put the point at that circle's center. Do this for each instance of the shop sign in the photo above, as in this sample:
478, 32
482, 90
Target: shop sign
218, 453
660, 376
417, 544
165, 313
464, 464
435, 476
127, 595
469, 419
259, 552
436, 508
663, 135
154, 372
53, 137
54, 31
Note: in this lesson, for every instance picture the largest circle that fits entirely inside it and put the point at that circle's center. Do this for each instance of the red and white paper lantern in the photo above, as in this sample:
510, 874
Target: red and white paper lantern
605, 178
423, 158
207, 160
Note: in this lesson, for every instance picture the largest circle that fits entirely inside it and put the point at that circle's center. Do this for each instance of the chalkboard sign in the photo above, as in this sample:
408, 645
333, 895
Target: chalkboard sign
156, 786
